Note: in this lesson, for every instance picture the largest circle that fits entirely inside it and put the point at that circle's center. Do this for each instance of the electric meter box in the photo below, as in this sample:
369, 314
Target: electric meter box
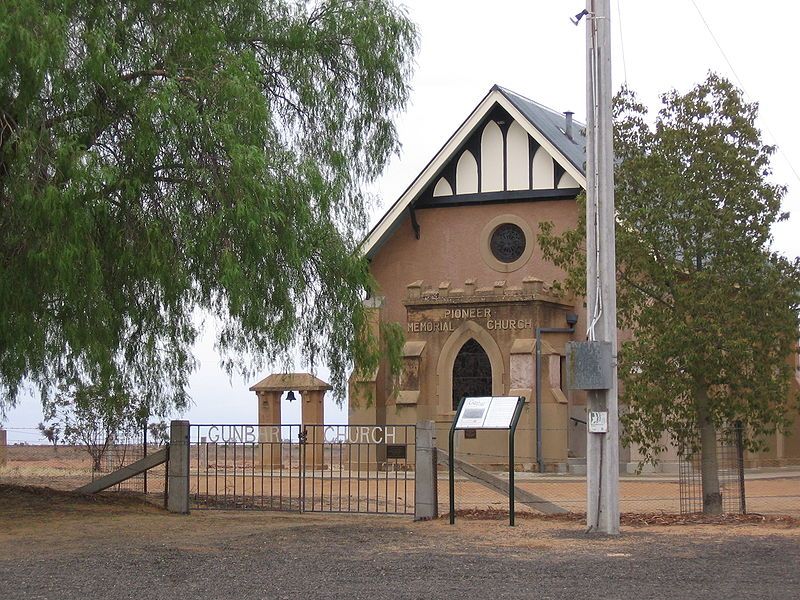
589, 365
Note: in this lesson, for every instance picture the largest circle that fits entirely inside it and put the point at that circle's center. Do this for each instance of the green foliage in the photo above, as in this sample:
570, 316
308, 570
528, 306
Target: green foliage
162, 161
94, 416
158, 433
51, 433
567, 249
714, 313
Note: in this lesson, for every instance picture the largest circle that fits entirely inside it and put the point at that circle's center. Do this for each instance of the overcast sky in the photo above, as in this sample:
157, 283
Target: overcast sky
532, 48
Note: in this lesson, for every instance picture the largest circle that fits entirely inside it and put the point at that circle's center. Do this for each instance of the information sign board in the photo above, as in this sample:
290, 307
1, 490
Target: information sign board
485, 412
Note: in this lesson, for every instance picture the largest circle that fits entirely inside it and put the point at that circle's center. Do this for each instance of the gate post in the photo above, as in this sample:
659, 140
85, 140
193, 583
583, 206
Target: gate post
426, 504
178, 495
269, 429
3, 444
313, 419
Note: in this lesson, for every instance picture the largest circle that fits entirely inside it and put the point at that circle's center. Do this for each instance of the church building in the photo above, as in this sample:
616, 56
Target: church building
458, 266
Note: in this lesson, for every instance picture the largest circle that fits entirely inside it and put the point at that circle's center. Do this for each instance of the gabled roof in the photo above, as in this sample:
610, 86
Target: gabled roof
298, 382
544, 125
551, 124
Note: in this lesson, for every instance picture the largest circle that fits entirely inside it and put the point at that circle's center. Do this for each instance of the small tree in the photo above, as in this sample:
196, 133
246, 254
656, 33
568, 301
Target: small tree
159, 432
93, 416
51, 433
714, 313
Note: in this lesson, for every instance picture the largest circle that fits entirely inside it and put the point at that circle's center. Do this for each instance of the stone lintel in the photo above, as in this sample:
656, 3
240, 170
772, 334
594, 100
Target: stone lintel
548, 348
526, 393
407, 397
523, 346
469, 287
414, 289
486, 296
532, 285
413, 348
364, 377
374, 302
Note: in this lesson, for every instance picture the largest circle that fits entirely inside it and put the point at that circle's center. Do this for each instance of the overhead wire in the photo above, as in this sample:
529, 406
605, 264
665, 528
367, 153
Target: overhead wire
742, 86
622, 43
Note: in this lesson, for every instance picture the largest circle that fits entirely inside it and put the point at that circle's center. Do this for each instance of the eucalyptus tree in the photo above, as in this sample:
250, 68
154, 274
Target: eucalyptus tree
160, 160
94, 416
712, 310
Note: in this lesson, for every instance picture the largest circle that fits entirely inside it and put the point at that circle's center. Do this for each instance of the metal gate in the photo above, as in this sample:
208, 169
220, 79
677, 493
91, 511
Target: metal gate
310, 468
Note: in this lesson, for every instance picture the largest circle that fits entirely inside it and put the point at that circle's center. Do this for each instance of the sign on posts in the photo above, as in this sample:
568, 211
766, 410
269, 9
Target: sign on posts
486, 412
489, 412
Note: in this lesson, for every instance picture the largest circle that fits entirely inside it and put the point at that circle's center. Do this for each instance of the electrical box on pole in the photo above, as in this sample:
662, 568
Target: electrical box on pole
589, 365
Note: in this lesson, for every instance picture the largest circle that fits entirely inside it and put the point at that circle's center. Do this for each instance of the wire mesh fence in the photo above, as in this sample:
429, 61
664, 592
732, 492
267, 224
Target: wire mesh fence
58, 467
672, 488
125, 451
70, 466
728, 465
766, 493
767, 490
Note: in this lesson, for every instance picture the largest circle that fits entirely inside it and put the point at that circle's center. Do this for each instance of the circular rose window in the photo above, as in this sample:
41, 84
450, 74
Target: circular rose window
507, 243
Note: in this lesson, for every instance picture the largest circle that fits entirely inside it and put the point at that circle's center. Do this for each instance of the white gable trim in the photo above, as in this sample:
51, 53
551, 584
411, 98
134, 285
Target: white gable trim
446, 153
542, 141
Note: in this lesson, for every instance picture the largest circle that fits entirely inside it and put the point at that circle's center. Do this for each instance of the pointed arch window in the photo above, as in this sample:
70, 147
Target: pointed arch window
472, 372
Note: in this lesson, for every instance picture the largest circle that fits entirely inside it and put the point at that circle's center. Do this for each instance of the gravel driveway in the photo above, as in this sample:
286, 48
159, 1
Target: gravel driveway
73, 548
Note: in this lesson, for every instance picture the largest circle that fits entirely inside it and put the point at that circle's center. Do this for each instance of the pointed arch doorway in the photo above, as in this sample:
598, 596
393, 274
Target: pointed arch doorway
472, 372
445, 366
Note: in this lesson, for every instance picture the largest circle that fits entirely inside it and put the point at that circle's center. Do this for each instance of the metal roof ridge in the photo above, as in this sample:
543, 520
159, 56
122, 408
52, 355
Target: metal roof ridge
553, 111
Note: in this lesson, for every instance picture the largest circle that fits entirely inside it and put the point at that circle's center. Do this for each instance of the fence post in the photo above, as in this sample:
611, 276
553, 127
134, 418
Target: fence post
740, 461
3, 444
144, 453
426, 504
178, 485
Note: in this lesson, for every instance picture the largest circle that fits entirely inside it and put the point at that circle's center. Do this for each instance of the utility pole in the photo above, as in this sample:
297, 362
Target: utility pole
602, 449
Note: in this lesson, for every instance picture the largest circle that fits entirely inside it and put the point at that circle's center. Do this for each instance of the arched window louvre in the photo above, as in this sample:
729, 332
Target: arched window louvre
519, 164
543, 171
467, 174
491, 158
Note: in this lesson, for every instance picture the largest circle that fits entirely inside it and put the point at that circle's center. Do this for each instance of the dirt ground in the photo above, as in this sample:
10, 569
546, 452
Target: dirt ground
58, 545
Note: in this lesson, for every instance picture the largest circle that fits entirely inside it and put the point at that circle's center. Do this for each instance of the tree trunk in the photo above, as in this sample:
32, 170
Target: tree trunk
712, 498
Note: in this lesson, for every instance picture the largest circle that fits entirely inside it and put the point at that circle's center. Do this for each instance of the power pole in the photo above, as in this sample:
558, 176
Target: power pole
602, 449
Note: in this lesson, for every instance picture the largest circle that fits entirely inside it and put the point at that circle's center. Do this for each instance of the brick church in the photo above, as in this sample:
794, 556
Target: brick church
458, 266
